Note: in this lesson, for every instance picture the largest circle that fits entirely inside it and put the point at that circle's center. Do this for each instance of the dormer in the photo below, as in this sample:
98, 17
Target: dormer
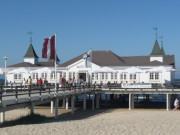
31, 56
157, 53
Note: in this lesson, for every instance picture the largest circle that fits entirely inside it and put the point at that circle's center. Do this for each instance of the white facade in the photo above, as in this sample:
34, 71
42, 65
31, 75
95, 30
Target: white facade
78, 69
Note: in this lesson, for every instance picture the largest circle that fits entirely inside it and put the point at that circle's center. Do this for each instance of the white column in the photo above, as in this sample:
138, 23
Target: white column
167, 102
67, 103
93, 101
97, 100
84, 101
52, 106
130, 101
63, 103
72, 104
32, 108
56, 108
2, 117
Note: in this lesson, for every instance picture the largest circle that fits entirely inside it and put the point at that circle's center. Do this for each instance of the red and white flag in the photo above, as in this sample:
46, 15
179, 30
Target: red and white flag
48, 50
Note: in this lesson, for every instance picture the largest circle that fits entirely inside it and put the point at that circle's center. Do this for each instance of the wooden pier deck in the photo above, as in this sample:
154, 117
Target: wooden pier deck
15, 97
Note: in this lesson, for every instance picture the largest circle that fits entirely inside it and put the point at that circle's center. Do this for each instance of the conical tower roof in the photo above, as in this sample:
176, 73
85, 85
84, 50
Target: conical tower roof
57, 59
162, 51
156, 49
31, 53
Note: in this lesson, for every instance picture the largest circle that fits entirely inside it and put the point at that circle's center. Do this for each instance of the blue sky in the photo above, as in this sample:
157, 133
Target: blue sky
122, 26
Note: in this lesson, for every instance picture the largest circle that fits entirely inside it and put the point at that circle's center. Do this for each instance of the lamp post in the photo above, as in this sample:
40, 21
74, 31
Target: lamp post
5, 58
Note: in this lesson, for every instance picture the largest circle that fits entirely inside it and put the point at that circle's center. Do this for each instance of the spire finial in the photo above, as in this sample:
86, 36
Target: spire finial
30, 33
155, 28
161, 37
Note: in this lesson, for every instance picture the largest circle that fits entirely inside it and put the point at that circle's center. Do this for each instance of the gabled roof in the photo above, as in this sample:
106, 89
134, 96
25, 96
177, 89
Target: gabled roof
156, 49
102, 58
40, 64
30, 52
162, 51
108, 58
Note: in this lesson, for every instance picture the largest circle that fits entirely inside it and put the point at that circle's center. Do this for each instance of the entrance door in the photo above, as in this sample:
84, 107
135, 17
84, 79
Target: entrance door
82, 76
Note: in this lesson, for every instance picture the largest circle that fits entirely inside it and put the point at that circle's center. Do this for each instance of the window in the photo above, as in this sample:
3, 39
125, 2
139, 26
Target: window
70, 74
43, 75
52, 76
92, 76
106, 75
35, 75
131, 76
73, 75
60, 74
124, 76
112, 76
15, 76
96, 76
115, 75
64, 75
121, 75
102, 76
156, 76
151, 76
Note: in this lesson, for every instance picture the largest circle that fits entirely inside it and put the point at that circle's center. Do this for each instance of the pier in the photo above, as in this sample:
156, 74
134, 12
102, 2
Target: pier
15, 97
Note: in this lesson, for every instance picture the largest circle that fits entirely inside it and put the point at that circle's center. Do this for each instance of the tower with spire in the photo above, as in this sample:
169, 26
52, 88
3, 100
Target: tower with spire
157, 52
31, 55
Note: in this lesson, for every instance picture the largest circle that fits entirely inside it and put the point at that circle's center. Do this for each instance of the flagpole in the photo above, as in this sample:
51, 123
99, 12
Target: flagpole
55, 66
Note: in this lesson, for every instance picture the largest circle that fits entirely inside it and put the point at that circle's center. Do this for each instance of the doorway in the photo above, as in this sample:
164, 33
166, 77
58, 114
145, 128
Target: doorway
82, 76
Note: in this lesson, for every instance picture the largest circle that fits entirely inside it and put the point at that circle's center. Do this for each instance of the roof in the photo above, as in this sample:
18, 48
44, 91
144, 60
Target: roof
156, 49
57, 59
108, 58
30, 52
40, 64
162, 51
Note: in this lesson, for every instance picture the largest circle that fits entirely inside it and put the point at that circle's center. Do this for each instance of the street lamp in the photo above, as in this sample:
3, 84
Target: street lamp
5, 58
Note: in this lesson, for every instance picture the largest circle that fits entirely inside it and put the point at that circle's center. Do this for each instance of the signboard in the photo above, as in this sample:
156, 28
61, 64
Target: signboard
136, 85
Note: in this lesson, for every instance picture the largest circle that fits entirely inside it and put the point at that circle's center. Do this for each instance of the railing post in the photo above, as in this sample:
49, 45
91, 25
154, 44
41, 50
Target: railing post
1, 92
49, 92
16, 93
40, 91
29, 92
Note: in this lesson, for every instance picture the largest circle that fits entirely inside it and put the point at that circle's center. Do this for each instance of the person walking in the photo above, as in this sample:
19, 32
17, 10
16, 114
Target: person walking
29, 81
24, 83
176, 104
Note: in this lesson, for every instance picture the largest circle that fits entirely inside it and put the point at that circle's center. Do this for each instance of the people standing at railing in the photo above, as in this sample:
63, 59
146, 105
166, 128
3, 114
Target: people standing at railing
60, 82
29, 81
176, 104
40, 82
24, 83
45, 82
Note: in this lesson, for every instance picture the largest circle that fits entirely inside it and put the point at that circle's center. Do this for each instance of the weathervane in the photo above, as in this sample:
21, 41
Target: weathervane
155, 28
30, 33
161, 37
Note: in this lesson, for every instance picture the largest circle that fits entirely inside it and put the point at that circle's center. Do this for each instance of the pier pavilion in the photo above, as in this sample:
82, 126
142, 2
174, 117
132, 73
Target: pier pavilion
76, 67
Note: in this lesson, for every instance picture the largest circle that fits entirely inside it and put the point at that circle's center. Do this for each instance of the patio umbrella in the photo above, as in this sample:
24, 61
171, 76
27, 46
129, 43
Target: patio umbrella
19, 71
132, 70
104, 70
161, 69
43, 70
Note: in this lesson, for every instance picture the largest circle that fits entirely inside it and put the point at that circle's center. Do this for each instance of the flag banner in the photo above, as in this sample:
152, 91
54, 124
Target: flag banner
48, 50
88, 58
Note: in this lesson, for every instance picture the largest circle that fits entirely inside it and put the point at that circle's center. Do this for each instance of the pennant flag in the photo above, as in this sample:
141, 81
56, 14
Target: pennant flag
88, 58
48, 50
